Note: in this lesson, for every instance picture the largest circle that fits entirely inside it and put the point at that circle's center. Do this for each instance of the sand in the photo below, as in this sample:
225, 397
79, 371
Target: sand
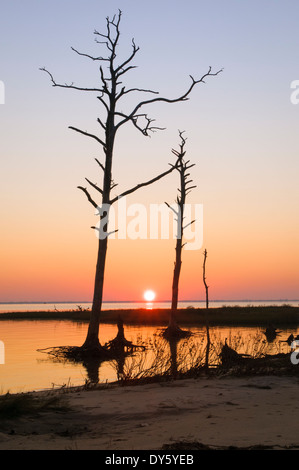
216, 412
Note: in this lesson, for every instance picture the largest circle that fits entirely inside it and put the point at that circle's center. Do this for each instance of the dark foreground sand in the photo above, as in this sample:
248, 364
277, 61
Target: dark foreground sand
217, 412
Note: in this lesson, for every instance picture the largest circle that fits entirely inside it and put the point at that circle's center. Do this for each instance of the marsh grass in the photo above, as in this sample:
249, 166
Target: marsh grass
15, 406
163, 360
225, 315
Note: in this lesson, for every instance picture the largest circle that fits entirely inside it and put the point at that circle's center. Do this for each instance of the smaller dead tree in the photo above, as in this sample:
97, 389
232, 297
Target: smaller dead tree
182, 166
204, 279
206, 310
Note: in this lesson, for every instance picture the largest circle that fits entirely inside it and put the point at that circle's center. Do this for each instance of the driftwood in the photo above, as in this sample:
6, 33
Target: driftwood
276, 364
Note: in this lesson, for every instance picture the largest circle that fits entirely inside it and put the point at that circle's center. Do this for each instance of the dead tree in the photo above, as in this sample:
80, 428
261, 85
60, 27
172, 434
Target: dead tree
110, 94
186, 186
206, 310
204, 278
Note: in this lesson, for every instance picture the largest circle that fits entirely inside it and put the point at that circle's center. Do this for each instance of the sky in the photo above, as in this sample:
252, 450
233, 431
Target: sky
241, 129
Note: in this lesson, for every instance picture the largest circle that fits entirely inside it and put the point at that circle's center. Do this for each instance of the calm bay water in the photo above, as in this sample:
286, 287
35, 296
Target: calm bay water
27, 369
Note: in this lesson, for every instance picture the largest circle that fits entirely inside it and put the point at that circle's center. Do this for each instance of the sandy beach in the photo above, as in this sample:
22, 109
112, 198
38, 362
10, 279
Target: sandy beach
217, 412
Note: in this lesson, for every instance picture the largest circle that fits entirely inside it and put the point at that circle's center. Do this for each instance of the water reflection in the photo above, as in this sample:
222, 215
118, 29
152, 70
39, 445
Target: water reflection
25, 369
149, 305
271, 333
173, 347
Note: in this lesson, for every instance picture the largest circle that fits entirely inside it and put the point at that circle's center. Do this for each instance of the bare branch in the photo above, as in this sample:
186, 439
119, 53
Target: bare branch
171, 208
126, 70
103, 102
190, 223
94, 186
134, 119
119, 70
107, 234
125, 92
145, 130
103, 42
110, 42
88, 135
71, 86
176, 153
89, 56
112, 232
104, 81
101, 123
189, 166
100, 164
88, 196
113, 185
141, 185
183, 97
189, 189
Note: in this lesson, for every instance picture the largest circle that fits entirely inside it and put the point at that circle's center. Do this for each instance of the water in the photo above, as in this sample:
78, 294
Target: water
26, 369
62, 306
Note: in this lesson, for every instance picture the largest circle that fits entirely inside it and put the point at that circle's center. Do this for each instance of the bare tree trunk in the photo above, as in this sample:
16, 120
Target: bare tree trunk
204, 279
206, 311
175, 281
177, 266
92, 338
182, 167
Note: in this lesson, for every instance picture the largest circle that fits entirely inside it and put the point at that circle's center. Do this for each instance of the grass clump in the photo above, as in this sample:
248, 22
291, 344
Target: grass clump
15, 406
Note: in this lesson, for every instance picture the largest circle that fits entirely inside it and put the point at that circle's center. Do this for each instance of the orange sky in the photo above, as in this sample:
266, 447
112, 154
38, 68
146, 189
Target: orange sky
241, 129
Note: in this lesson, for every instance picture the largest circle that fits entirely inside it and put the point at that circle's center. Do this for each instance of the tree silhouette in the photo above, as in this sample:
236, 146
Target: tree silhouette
183, 167
206, 309
110, 94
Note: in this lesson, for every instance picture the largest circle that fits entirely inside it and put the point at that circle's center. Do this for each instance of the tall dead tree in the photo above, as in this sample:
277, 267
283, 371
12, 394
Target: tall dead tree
186, 186
110, 94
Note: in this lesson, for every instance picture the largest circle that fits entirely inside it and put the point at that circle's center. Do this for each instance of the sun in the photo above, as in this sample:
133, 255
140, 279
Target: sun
149, 295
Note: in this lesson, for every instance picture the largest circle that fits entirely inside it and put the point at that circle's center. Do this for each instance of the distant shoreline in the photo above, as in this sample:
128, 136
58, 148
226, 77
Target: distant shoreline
221, 316
154, 302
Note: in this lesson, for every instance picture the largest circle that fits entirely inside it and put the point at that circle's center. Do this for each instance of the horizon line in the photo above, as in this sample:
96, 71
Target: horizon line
144, 301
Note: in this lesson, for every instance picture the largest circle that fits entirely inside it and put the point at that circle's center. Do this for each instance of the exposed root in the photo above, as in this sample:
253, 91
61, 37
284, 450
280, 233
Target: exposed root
120, 345
174, 331
77, 353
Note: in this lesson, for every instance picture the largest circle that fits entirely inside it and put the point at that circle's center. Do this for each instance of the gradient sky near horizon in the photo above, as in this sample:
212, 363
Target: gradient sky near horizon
241, 129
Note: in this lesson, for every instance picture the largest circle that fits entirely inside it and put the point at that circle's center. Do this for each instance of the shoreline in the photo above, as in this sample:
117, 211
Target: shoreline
217, 412
218, 316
